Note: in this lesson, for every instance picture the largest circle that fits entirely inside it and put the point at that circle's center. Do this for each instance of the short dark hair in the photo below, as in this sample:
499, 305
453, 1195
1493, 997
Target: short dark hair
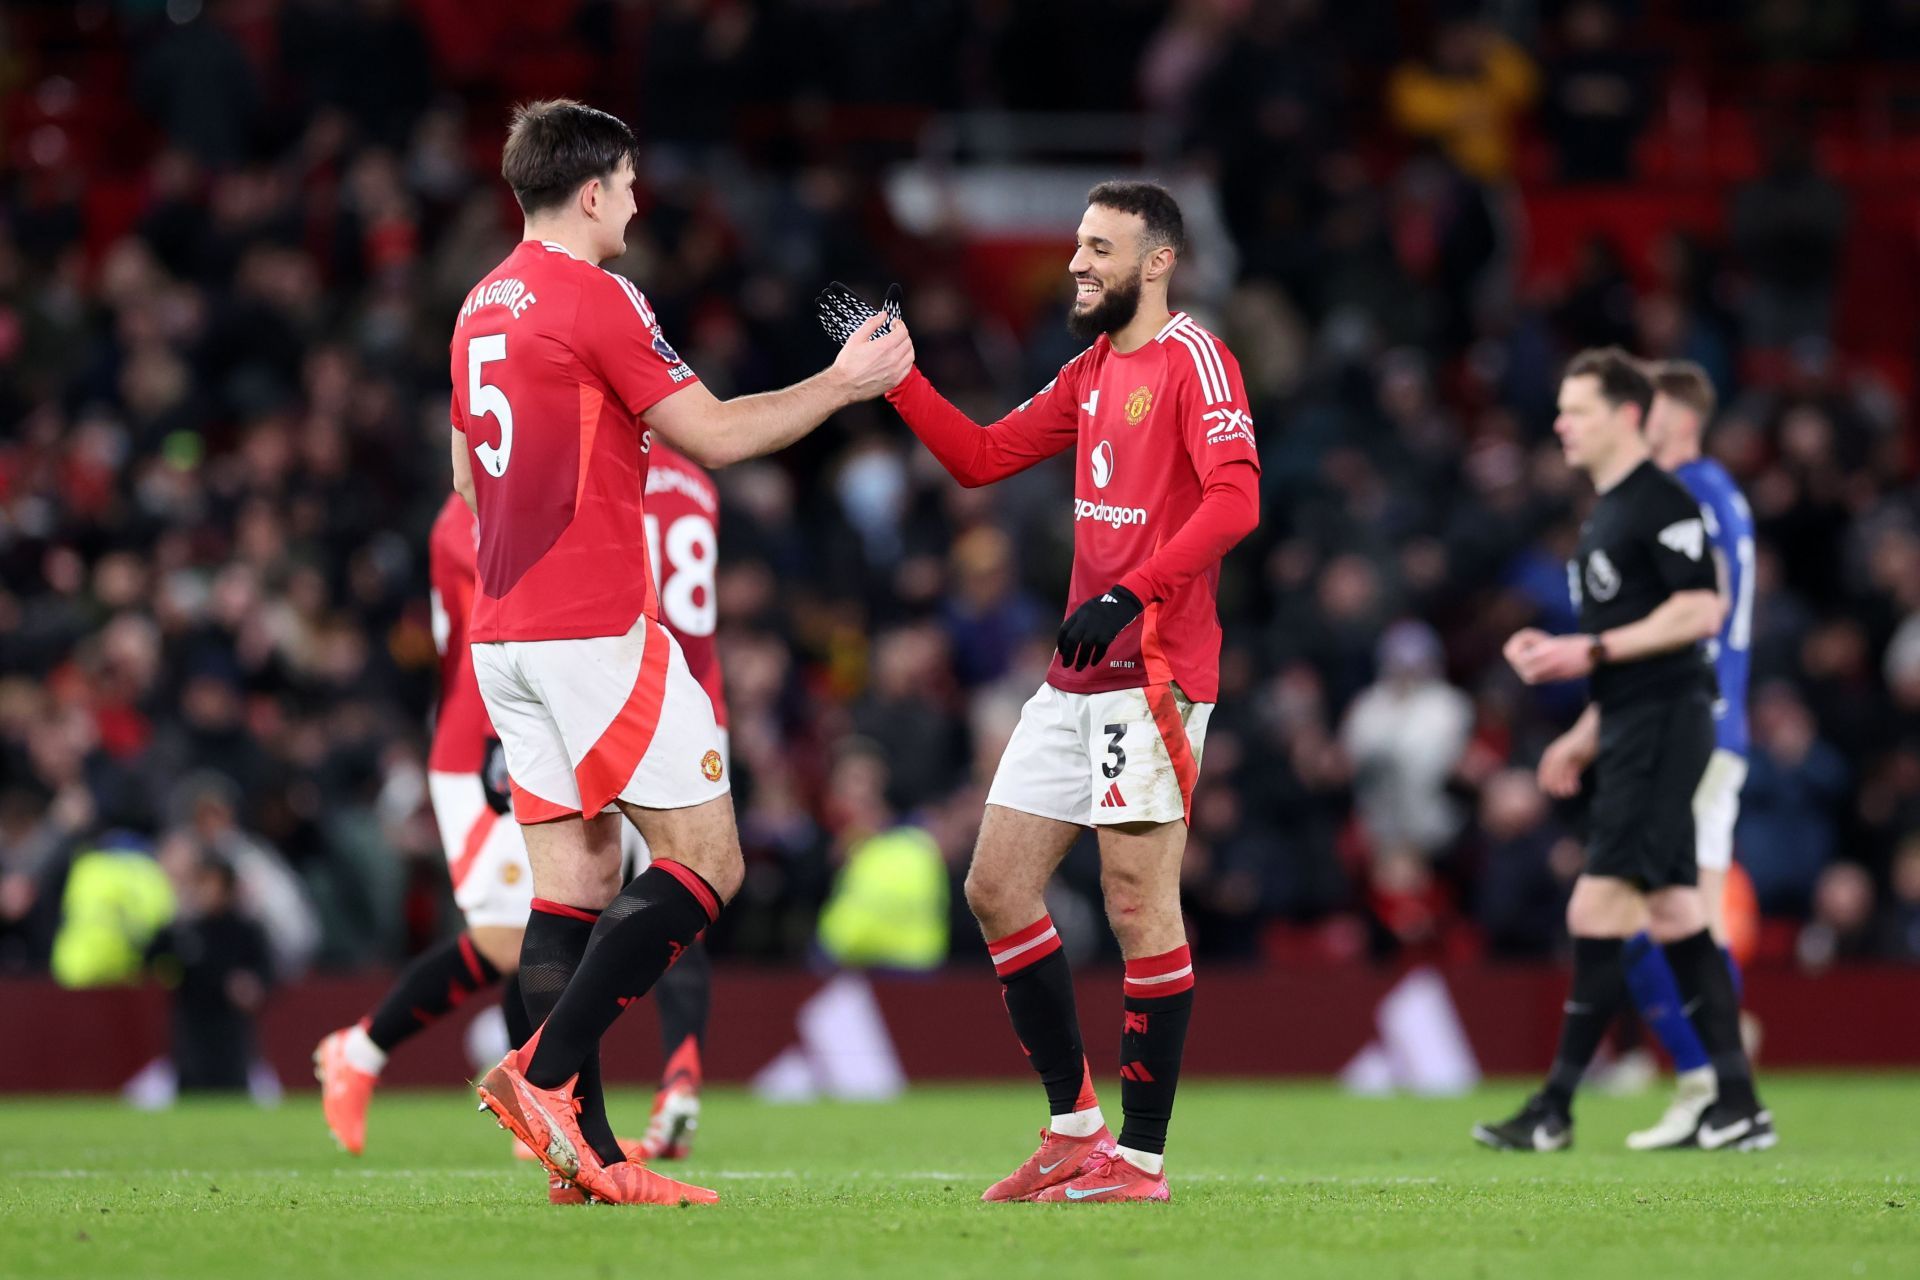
555, 145
1155, 205
1623, 379
1687, 382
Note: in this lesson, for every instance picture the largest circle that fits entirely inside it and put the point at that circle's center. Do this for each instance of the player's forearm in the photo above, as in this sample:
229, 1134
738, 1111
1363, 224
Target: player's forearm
1585, 733
1683, 618
462, 470
972, 454
1229, 510
750, 426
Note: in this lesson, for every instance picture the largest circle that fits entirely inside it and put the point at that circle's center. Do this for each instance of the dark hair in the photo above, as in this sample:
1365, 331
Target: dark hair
555, 145
1688, 383
1623, 379
1155, 205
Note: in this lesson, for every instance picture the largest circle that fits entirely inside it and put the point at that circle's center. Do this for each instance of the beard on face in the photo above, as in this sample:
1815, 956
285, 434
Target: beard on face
1118, 301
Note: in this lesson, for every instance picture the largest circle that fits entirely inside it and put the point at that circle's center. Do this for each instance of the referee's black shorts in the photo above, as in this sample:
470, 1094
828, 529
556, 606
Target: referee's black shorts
1652, 755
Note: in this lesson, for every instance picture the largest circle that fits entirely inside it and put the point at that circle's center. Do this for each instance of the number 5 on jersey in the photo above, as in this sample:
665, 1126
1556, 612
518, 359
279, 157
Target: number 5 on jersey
486, 401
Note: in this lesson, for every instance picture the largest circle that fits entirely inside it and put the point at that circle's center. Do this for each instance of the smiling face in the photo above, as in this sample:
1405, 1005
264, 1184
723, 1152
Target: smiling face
609, 203
1109, 268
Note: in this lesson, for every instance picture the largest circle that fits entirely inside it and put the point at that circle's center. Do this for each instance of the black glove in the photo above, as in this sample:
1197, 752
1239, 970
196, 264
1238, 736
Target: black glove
842, 312
493, 778
1088, 630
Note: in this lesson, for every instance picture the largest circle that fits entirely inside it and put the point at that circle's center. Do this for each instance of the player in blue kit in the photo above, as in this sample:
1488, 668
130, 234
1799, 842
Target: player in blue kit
1683, 404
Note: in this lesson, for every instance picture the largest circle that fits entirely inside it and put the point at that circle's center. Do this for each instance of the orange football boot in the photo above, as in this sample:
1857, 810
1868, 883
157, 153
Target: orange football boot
544, 1119
1059, 1159
560, 1191
345, 1091
630, 1182
1108, 1178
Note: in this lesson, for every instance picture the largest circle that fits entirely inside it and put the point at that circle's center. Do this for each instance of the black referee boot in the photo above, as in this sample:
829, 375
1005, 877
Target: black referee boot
1736, 1126
1540, 1126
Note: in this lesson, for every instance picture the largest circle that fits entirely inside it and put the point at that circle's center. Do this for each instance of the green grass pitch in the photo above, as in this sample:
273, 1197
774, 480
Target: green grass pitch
1269, 1180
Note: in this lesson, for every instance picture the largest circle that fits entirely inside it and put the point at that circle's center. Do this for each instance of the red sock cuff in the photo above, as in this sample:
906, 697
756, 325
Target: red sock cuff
694, 883
552, 908
1024, 947
1167, 974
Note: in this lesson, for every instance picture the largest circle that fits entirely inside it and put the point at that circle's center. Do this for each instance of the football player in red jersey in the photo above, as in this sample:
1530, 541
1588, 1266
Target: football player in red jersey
492, 883
487, 859
562, 378
1166, 482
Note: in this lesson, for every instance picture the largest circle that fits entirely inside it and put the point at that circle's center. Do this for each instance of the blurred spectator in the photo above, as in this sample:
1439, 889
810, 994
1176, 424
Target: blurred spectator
216, 961
1843, 917
1901, 928
1788, 828
1467, 97
1528, 867
1405, 734
1596, 98
1788, 227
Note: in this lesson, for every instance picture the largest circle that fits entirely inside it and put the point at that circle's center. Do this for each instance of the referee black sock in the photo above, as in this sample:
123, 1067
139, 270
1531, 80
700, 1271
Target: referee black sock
1599, 988
1036, 985
660, 913
550, 953
436, 983
1706, 987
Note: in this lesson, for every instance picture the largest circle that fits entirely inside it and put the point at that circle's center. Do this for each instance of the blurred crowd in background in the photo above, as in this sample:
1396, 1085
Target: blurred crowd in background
233, 236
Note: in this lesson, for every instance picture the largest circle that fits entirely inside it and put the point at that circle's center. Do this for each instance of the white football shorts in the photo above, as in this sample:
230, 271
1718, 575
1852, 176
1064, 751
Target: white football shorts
1716, 807
486, 856
1127, 755
583, 722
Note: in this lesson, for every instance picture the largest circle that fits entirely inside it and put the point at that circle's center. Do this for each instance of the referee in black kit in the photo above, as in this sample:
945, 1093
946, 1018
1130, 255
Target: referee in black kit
1645, 584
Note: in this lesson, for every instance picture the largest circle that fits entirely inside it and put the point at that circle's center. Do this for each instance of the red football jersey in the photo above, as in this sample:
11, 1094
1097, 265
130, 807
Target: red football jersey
1155, 431
461, 727
683, 517
554, 362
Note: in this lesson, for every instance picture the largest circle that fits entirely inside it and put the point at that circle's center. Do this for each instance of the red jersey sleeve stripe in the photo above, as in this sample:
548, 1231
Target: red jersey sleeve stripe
610, 762
1210, 349
1209, 389
634, 296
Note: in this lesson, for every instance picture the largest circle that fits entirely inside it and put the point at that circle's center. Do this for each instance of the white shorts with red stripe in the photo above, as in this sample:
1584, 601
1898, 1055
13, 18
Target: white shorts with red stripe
486, 856
583, 722
1128, 755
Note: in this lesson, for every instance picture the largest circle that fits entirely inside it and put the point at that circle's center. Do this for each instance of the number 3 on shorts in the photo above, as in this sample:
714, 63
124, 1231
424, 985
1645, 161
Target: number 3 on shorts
484, 401
1116, 763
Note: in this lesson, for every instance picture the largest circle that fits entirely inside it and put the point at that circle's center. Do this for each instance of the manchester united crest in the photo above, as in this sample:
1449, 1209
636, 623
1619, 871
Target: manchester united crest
1137, 405
710, 766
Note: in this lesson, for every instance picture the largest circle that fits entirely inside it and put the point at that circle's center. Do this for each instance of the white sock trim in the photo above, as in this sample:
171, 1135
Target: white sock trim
361, 1053
1145, 1161
1079, 1124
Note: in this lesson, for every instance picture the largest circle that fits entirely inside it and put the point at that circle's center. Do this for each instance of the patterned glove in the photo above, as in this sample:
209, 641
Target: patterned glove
842, 312
1088, 630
